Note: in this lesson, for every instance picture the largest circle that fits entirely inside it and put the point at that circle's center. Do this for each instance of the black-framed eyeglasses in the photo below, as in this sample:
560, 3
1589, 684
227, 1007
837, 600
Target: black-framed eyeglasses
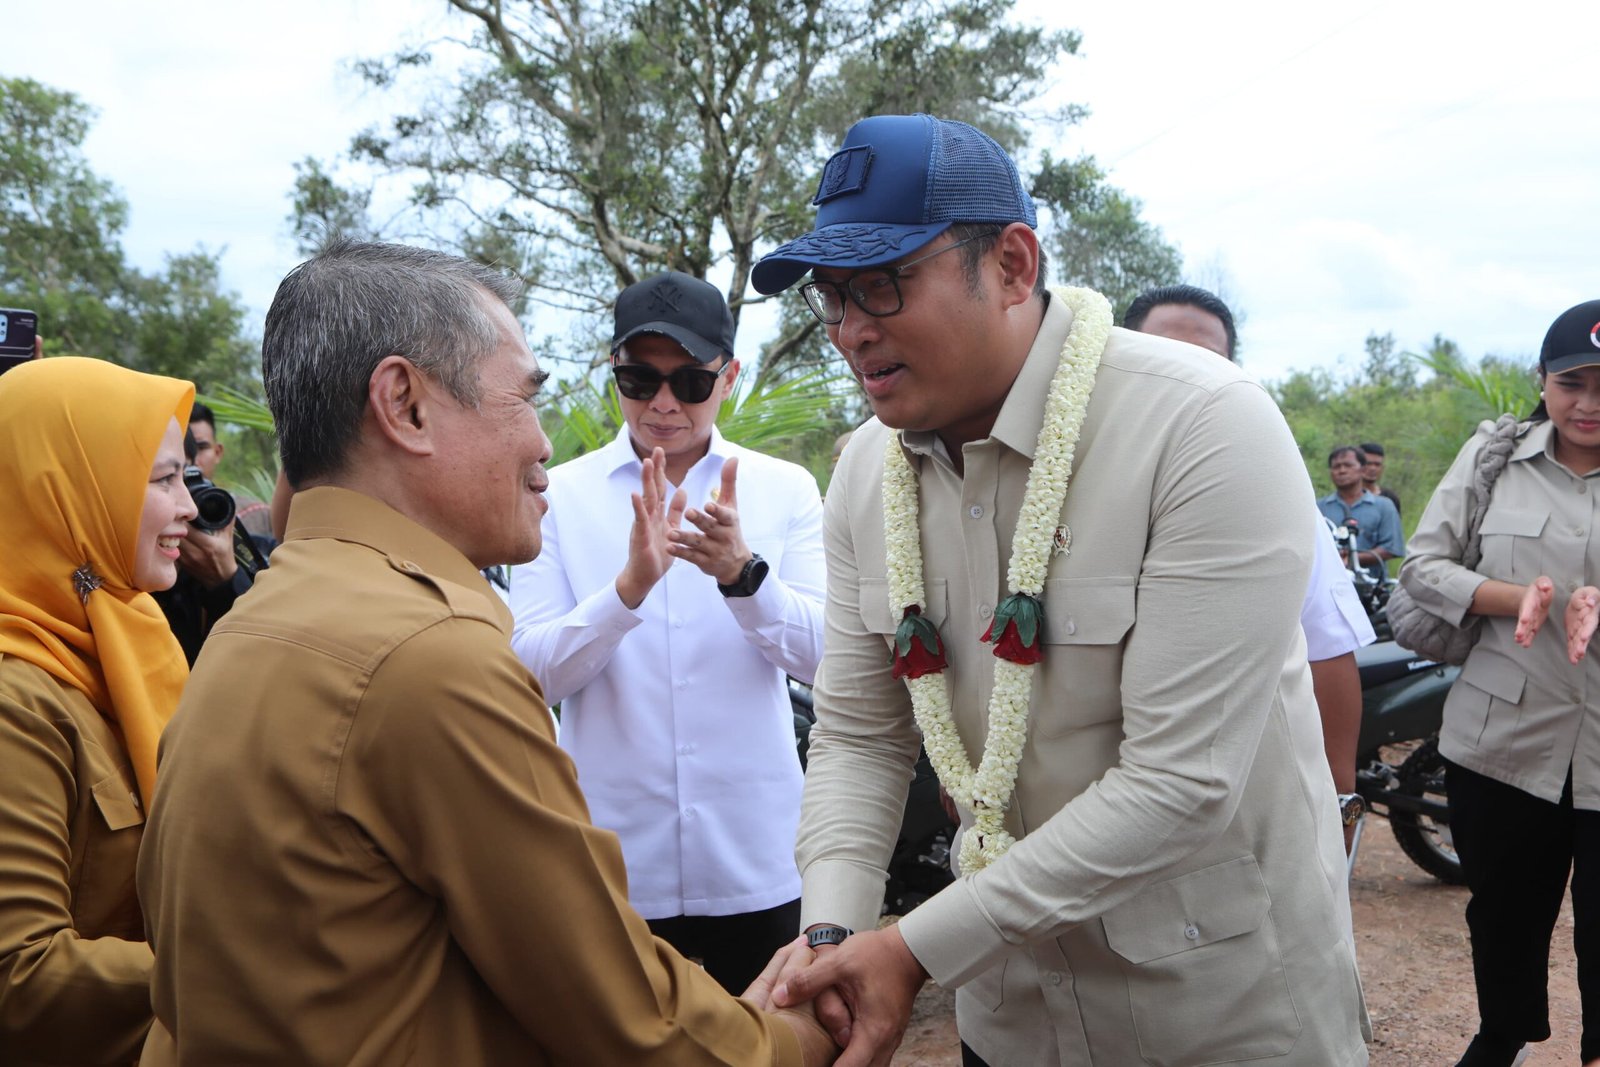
691, 385
875, 291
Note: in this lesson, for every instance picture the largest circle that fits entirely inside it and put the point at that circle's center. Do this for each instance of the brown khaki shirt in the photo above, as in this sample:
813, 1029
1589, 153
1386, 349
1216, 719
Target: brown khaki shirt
74, 968
367, 847
1522, 716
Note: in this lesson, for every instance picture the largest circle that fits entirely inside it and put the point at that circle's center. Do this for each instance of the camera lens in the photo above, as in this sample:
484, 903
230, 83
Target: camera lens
214, 507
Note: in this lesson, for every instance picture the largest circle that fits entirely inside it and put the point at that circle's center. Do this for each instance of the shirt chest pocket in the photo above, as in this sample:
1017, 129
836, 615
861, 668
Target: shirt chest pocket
105, 847
1510, 543
879, 618
1085, 622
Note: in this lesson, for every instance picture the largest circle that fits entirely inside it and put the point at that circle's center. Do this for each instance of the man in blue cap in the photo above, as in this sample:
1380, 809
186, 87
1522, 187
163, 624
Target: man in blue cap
1035, 569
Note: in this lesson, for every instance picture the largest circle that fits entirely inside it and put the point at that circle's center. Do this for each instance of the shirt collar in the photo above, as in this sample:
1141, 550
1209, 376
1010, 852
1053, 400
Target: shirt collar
620, 456
1022, 415
345, 515
1538, 440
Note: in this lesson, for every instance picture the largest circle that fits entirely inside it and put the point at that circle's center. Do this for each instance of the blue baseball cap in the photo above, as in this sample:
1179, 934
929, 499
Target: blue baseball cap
896, 183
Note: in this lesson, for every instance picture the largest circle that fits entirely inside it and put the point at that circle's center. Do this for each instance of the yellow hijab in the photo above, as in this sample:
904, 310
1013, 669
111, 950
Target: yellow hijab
77, 440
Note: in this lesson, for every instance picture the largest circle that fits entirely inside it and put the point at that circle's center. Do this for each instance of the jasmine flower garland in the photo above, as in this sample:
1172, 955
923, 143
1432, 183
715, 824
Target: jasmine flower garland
1019, 621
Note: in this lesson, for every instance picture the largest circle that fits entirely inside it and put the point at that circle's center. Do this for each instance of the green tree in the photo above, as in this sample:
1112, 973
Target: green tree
1099, 240
586, 143
61, 255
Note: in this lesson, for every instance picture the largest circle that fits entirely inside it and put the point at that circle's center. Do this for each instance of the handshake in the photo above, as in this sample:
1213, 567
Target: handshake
855, 996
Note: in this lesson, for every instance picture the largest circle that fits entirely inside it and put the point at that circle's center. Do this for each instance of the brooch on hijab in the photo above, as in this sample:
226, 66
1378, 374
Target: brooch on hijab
85, 581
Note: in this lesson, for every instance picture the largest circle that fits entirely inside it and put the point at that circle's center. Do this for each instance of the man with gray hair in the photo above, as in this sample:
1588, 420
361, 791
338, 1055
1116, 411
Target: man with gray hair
404, 870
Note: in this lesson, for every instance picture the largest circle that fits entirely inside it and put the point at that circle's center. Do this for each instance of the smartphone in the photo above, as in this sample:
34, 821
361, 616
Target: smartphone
17, 331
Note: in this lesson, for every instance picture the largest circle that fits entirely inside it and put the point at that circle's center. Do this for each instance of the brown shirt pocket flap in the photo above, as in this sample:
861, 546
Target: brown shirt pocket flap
1079, 612
1518, 522
873, 603
117, 803
1200, 908
1495, 674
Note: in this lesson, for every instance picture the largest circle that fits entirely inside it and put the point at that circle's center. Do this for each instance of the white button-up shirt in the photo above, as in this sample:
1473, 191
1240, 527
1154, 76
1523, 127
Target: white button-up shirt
1332, 616
677, 714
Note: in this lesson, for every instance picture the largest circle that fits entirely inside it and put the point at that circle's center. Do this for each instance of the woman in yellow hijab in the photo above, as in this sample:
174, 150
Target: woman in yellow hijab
92, 508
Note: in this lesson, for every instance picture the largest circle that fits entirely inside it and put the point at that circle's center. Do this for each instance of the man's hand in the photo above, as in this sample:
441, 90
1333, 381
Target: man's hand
208, 557
1533, 610
718, 548
654, 519
816, 1047
878, 978
1583, 611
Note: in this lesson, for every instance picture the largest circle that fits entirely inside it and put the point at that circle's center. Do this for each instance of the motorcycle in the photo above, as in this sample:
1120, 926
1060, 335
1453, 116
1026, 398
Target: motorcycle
920, 864
1402, 704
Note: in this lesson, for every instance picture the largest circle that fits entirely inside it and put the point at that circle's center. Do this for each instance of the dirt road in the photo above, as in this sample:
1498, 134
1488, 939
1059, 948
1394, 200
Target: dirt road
1411, 941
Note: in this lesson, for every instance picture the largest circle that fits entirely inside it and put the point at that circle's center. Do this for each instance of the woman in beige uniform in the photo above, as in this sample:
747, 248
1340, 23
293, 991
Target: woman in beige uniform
92, 507
1522, 724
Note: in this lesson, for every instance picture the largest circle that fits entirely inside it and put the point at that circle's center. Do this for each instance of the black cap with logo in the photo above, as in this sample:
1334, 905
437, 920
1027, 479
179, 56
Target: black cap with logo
690, 311
1573, 340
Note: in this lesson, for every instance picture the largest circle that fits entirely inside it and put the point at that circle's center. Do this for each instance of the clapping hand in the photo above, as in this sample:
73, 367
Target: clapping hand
717, 545
655, 519
1583, 612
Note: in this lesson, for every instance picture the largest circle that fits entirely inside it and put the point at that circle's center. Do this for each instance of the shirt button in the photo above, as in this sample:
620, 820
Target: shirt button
1053, 977
683, 684
1577, 531
677, 624
410, 568
133, 797
985, 611
1192, 932
688, 813
1583, 487
1071, 627
1576, 699
976, 511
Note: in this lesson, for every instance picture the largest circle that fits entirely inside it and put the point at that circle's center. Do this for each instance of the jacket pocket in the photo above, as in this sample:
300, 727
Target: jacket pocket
873, 604
1209, 934
1510, 543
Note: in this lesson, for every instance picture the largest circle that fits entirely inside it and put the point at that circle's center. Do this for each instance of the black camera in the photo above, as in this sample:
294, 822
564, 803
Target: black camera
214, 506
17, 330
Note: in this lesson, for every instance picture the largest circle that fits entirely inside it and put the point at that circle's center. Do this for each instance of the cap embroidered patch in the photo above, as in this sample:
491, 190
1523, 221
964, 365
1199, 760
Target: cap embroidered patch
845, 173
665, 296
1594, 335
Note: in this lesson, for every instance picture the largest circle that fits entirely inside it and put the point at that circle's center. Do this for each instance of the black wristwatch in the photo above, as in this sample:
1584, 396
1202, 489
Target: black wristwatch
1351, 807
827, 935
749, 580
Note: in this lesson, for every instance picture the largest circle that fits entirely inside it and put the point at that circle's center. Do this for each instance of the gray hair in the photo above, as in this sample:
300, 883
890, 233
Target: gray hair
343, 311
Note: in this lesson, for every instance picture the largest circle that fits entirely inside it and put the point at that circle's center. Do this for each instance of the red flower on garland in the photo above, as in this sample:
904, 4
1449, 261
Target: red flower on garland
918, 648
1020, 622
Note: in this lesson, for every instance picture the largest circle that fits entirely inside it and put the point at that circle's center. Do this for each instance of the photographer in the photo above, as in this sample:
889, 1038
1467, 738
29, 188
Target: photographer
215, 565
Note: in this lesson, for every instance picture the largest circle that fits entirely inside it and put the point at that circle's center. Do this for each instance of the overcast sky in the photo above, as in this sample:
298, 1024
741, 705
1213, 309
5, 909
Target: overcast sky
1412, 167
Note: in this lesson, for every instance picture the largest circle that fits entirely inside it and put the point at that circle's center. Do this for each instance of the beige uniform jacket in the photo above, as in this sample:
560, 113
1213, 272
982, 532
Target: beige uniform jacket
1177, 892
367, 847
74, 968
1520, 716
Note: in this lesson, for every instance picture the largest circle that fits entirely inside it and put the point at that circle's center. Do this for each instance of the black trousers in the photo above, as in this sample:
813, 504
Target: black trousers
1516, 852
970, 1058
732, 948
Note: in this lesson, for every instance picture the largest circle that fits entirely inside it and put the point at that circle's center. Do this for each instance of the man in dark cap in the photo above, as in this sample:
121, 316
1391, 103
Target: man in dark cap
671, 679
1035, 566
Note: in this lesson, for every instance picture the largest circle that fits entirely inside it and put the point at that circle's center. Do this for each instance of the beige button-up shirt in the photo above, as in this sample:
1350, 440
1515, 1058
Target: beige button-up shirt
367, 848
1177, 891
1522, 716
74, 968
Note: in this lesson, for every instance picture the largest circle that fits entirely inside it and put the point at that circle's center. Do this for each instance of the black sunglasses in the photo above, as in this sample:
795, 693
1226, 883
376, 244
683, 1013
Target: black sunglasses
691, 385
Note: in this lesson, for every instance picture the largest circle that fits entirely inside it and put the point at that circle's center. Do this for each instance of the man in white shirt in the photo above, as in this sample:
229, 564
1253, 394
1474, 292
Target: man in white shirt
666, 631
1331, 616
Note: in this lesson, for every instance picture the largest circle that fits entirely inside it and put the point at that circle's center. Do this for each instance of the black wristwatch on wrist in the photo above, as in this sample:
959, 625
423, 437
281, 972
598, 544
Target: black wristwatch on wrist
749, 580
827, 935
